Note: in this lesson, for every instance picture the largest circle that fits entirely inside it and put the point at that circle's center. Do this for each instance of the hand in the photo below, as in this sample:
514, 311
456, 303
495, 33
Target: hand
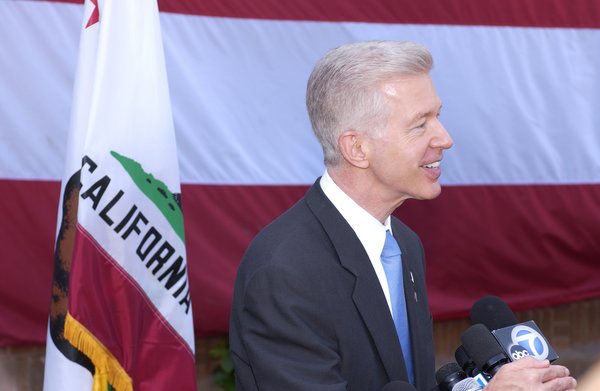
529, 374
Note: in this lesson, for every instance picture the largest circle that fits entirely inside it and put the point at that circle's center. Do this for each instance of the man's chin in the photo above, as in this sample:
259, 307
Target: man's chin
431, 193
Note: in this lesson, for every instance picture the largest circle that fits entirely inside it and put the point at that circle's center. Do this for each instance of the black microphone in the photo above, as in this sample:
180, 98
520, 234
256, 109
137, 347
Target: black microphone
493, 312
517, 339
398, 385
484, 349
464, 360
448, 376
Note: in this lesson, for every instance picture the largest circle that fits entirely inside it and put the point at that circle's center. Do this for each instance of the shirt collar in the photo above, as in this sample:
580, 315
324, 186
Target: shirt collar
369, 230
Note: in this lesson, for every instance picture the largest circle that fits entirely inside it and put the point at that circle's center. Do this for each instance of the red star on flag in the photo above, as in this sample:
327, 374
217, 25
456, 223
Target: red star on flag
95, 16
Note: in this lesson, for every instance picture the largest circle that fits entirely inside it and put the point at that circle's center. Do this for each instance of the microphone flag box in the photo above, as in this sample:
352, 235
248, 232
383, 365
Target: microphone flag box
524, 339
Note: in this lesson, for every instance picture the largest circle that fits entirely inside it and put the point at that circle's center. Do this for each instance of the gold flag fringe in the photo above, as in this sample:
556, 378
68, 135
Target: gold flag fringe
108, 369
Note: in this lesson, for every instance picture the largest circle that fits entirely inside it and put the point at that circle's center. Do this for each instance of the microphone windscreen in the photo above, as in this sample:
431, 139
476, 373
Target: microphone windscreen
468, 384
448, 375
398, 385
493, 312
481, 346
446, 370
464, 360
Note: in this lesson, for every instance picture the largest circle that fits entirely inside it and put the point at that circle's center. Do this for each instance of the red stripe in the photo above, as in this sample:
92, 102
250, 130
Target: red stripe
528, 13
220, 222
114, 308
532, 245
28, 211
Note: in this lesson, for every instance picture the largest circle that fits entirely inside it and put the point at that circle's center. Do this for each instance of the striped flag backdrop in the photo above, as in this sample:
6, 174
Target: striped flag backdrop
519, 215
121, 316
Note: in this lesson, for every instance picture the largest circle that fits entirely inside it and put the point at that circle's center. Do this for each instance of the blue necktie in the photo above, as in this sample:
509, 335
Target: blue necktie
392, 264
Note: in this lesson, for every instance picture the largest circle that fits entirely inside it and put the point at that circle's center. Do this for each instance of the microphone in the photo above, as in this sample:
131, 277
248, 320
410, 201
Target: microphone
448, 376
468, 365
517, 339
465, 361
493, 312
398, 385
484, 349
468, 384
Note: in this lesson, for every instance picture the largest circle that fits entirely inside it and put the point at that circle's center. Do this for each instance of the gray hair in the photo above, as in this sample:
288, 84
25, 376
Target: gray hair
343, 88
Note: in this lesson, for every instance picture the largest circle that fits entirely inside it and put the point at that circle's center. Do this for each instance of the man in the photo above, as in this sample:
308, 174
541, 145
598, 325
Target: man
315, 307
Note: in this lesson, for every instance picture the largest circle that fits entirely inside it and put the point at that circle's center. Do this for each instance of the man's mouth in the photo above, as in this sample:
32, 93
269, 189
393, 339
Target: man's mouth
432, 165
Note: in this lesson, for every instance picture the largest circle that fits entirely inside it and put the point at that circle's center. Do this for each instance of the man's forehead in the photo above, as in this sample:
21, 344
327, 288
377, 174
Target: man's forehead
417, 91
394, 87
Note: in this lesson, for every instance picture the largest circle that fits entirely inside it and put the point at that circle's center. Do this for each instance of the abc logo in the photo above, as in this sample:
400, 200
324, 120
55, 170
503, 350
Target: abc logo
530, 340
517, 352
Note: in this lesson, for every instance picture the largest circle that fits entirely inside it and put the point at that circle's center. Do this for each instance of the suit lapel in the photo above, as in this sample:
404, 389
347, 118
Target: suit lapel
368, 297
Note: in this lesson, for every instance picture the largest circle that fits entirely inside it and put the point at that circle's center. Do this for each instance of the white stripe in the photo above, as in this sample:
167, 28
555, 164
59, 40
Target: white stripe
520, 103
37, 70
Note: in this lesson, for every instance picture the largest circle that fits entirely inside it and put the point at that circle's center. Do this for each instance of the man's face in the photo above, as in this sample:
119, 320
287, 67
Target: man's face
405, 157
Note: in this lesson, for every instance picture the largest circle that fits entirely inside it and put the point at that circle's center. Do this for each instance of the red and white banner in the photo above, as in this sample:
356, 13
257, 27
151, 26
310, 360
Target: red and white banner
519, 80
121, 302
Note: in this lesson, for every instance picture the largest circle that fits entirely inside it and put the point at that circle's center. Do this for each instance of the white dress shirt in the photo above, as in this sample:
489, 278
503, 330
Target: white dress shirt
369, 230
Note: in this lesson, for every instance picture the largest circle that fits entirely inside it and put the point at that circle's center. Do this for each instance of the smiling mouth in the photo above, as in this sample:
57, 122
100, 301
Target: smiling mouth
432, 165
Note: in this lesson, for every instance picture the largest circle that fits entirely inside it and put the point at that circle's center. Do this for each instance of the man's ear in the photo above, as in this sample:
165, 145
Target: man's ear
352, 147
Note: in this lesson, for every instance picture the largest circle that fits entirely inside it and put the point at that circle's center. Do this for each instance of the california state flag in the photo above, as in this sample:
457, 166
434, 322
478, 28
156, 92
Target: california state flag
121, 316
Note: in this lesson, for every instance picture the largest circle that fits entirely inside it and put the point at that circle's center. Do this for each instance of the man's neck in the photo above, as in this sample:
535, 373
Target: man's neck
359, 186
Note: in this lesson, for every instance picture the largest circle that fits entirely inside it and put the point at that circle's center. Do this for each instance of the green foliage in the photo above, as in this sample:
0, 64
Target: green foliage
223, 374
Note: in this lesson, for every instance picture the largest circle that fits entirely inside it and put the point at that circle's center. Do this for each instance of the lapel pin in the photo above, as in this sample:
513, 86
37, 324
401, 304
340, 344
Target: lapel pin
412, 279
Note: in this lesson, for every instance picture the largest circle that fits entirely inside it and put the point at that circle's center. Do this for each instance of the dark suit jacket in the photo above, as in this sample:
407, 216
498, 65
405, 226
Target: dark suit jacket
309, 313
